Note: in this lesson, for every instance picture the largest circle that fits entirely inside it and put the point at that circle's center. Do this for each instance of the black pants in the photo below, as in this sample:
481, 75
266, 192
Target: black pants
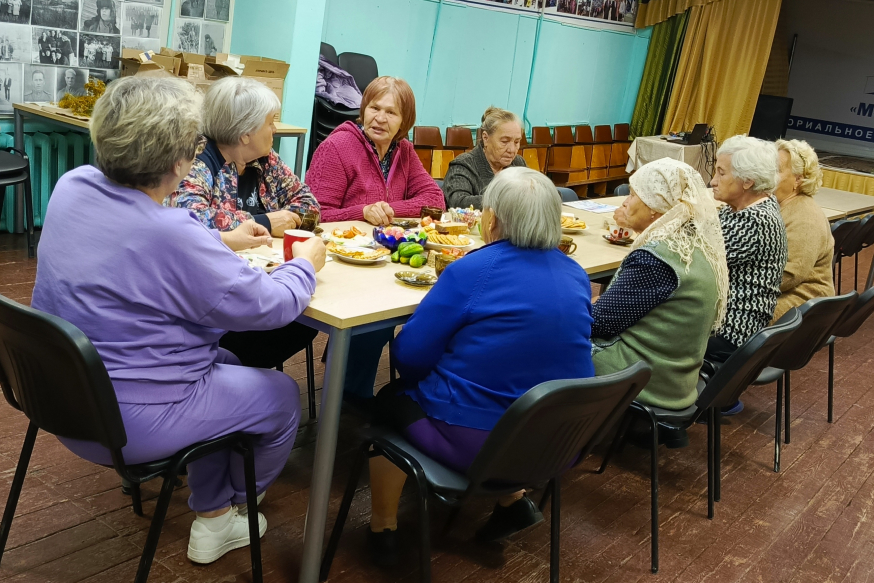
268, 348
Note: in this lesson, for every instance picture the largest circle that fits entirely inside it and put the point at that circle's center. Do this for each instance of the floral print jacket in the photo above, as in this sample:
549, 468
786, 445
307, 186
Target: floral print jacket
215, 198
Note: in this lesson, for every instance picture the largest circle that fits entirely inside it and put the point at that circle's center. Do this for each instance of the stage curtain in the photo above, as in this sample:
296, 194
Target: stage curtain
656, 11
722, 64
658, 76
849, 181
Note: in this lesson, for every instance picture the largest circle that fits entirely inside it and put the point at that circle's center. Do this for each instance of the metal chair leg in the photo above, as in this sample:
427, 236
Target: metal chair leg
311, 380
711, 466
654, 494
840, 272
136, 499
28, 208
155, 529
717, 454
831, 379
17, 483
617, 440
424, 526
856, 271
870, 281
555, 531
777, 422
252, 504
343, 513
786, 415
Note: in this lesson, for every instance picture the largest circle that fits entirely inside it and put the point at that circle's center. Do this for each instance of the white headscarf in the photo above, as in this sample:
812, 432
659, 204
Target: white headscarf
689, 219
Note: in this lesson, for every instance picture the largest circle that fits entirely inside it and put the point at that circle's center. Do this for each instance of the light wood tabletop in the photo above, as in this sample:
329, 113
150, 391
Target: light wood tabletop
284, 129
850, 202
50, 112
832, 214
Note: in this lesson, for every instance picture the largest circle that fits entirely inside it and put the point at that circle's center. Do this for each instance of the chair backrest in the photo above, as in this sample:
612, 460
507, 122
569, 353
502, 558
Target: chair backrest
553, 425
583, 135
567, 195
856, 315
541, 136
747, 362
564, 135
622, 190
603, 134
329, 52
51, 372
820, 317
621, 132
362, 68
866, 232
427, 136
845, 233
459, 137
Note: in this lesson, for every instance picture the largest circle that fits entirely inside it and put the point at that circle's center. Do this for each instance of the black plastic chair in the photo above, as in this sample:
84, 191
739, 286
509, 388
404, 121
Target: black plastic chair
330, 53
722, 389
848, 236
15, 169
820, 317
52, 373
544, 433
326, 115
852, 321
362, 67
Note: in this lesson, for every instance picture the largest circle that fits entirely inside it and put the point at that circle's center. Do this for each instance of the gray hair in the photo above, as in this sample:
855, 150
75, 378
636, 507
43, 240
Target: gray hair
495, 116
752, 159
236, 106
142, 126
527, 207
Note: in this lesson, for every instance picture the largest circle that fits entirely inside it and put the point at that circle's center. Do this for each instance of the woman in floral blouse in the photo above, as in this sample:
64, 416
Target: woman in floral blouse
239, 177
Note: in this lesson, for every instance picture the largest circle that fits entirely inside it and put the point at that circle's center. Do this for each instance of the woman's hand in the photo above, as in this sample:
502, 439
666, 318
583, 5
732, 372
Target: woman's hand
312, 250
379, 213
280, 221
248, 235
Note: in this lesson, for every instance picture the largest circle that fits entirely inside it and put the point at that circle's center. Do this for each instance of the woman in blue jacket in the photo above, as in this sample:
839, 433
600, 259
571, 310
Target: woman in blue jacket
503, 319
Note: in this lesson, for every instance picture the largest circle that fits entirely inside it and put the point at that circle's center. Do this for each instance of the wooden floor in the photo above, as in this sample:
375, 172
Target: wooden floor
810, 523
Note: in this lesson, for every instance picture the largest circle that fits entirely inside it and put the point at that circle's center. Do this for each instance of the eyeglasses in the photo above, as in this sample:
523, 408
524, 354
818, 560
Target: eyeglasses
199, 145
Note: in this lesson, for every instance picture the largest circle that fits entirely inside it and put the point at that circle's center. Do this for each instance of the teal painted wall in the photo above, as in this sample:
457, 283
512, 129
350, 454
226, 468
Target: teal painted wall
459, 59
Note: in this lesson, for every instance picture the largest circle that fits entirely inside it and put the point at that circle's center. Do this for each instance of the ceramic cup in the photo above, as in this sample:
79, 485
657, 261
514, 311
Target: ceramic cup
617, 233
309, 222
567, 246
291, 237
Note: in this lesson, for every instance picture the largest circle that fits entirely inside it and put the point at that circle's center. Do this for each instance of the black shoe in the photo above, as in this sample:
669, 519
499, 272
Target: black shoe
383, 547
670, 438
507, 520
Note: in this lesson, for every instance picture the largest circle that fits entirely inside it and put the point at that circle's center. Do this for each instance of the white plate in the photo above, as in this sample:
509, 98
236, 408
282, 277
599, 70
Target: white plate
438, 246
357, 261
572, 231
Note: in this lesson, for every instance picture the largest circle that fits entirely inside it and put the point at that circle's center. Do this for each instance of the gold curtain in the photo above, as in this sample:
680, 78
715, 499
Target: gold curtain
660, 10
722, 65
849, 181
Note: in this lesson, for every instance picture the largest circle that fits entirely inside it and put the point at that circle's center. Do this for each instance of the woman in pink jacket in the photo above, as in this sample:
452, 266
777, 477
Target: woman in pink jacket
369, 171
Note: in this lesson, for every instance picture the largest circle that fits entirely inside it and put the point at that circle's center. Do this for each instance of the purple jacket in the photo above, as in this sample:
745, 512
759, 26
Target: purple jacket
151, 287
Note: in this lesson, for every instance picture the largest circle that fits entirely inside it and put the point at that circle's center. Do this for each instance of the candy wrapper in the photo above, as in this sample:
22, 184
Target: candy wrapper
469, 215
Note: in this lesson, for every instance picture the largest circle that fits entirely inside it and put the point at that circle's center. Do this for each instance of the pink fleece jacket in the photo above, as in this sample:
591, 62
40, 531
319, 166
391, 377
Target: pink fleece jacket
345, 177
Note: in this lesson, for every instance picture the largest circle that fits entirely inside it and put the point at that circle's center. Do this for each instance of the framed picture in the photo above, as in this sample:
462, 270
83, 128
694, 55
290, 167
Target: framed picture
99, 51
186, 38
70, 81
52, 46
38, 83
100, 16
56, 13
141, 21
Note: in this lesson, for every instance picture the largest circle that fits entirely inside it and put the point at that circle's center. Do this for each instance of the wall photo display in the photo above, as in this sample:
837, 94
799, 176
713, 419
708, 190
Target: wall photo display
56, 14
141, 21
187, 35
218, 10
99, 51
55, 46
15, 11
10, 86
100, 16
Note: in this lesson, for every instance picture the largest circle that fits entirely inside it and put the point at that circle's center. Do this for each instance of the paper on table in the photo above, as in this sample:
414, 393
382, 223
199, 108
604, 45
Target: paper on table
591, 206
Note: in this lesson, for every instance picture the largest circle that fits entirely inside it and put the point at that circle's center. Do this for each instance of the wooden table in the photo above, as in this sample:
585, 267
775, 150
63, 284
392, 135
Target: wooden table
851, 203
646, 149
34, 110
356, 299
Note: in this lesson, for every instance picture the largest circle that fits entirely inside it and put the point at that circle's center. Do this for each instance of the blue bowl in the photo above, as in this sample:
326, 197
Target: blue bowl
391, 242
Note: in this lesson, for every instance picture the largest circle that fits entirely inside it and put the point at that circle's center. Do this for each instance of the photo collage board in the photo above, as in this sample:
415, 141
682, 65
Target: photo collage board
612, 12
200, 26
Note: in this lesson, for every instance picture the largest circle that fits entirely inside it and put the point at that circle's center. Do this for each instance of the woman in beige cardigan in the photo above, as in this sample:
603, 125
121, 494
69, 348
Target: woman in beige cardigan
808, 273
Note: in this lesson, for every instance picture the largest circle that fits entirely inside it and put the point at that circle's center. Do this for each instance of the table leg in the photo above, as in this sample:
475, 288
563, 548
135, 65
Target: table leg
298, 158
18, 199
326, 448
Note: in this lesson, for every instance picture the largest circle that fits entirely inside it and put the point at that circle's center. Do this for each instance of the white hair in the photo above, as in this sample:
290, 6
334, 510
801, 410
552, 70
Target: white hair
236, 106
527, 207
752, 159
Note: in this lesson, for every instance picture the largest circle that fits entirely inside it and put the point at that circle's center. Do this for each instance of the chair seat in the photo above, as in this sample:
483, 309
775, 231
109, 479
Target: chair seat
769, 375
10, 178
674, 416
11, 163
439, 477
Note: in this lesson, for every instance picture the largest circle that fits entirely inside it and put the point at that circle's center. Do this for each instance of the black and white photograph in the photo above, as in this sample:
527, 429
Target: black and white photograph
213, 39
141, 44
54, 47
192, 8
39, 82
70, 81
56, 14
15, 11
186, 38
100, 16
10, 85
14, 43
105, 75
97, 51
218, 10
140, 20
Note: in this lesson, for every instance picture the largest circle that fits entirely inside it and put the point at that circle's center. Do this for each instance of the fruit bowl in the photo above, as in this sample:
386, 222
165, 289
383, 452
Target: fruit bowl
391, 237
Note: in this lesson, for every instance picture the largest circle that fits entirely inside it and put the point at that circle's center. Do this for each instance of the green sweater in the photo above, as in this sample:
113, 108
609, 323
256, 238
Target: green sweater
672, 337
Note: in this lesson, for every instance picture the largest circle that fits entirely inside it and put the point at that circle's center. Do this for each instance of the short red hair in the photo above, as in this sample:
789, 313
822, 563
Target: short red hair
404, 98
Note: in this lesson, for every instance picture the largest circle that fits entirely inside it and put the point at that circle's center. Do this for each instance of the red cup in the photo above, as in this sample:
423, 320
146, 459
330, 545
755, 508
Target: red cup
291, 237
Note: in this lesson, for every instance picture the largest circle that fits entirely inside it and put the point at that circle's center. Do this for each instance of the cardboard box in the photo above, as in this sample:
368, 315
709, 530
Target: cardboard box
131, 64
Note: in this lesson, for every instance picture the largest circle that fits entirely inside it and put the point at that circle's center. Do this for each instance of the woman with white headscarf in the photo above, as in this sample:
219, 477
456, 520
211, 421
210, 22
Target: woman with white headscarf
670, 292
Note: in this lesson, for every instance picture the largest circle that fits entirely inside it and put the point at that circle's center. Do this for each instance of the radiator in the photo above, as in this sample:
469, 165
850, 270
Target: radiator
51, 155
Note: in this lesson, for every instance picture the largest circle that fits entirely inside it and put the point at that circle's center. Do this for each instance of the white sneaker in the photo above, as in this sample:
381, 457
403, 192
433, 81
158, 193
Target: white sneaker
243, 509
206, 546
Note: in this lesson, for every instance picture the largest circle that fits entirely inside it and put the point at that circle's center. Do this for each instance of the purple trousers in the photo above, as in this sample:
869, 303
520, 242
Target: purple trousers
229, 398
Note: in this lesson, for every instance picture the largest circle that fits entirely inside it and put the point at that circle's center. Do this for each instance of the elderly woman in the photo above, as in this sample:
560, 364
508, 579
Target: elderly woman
154, 290
673, 284
808, 271
465, 354
470, 174
368, 170
755, 242
238, 177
